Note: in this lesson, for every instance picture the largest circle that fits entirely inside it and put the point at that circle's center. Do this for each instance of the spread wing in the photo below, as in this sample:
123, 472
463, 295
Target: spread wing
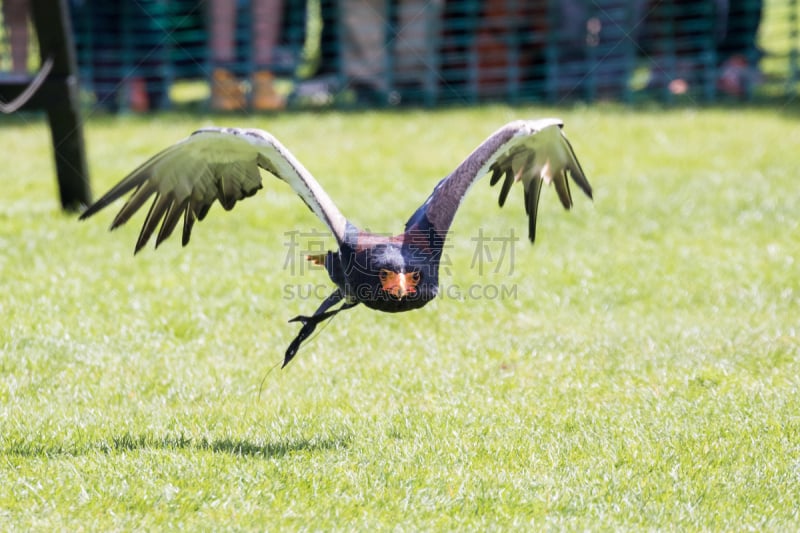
531, 151
212, 164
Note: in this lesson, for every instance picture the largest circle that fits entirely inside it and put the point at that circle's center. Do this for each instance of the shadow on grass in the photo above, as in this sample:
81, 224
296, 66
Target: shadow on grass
128, 442
230, 446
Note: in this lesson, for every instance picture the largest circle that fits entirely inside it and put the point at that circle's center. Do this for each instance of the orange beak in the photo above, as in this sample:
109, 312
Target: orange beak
397, 284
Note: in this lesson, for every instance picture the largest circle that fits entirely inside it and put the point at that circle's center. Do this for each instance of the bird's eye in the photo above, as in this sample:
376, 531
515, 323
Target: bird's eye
415, 277
383, 274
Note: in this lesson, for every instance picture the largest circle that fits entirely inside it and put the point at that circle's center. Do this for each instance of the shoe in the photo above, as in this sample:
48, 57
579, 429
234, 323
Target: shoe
370, 96
226, 92
738, 77
265, 98
316, 92
138, 101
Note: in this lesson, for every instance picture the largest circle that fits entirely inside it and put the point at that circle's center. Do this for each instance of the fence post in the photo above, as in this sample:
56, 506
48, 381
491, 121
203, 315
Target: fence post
59, 97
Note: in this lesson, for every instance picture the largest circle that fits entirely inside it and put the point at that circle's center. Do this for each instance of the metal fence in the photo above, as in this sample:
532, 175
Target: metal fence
137, 53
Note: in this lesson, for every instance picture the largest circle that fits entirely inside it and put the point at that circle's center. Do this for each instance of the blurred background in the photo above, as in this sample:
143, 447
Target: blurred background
267, 55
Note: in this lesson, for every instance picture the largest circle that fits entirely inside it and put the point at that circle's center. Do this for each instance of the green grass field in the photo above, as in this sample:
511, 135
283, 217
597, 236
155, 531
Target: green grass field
638, 368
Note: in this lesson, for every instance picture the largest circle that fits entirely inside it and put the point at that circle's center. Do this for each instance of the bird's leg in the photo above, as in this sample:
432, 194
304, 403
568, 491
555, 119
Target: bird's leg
310, 322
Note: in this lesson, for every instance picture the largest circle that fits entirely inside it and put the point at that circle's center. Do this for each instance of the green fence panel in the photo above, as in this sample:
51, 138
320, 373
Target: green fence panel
429, 52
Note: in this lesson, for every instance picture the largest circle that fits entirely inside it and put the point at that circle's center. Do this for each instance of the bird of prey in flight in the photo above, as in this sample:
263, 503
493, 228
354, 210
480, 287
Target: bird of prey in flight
386, 273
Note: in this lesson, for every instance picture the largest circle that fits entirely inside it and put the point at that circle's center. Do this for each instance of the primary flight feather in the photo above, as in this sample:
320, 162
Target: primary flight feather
389, 274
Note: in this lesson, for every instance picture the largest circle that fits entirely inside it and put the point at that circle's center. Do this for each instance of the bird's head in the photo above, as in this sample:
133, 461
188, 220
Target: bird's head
397, 279
399, 284
389, 277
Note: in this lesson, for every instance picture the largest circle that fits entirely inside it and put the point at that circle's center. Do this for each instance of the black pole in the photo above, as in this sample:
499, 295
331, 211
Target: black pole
59, 97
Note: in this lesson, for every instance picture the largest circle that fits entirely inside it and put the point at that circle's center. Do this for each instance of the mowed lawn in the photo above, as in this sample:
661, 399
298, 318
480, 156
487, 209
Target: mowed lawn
637, 368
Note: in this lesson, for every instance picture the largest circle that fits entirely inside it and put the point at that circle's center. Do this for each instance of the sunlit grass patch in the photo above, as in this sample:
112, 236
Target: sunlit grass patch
642, 373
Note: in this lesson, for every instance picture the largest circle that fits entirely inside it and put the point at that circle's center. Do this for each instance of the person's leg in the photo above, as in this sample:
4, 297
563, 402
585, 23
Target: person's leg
266, 32
107, 65
222, 17
226, 91
415, 63
737, 52
15, 15
364, 51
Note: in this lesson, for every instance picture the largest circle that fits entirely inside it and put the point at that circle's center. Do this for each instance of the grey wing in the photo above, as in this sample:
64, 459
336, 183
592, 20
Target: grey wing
212, 164
531, 151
